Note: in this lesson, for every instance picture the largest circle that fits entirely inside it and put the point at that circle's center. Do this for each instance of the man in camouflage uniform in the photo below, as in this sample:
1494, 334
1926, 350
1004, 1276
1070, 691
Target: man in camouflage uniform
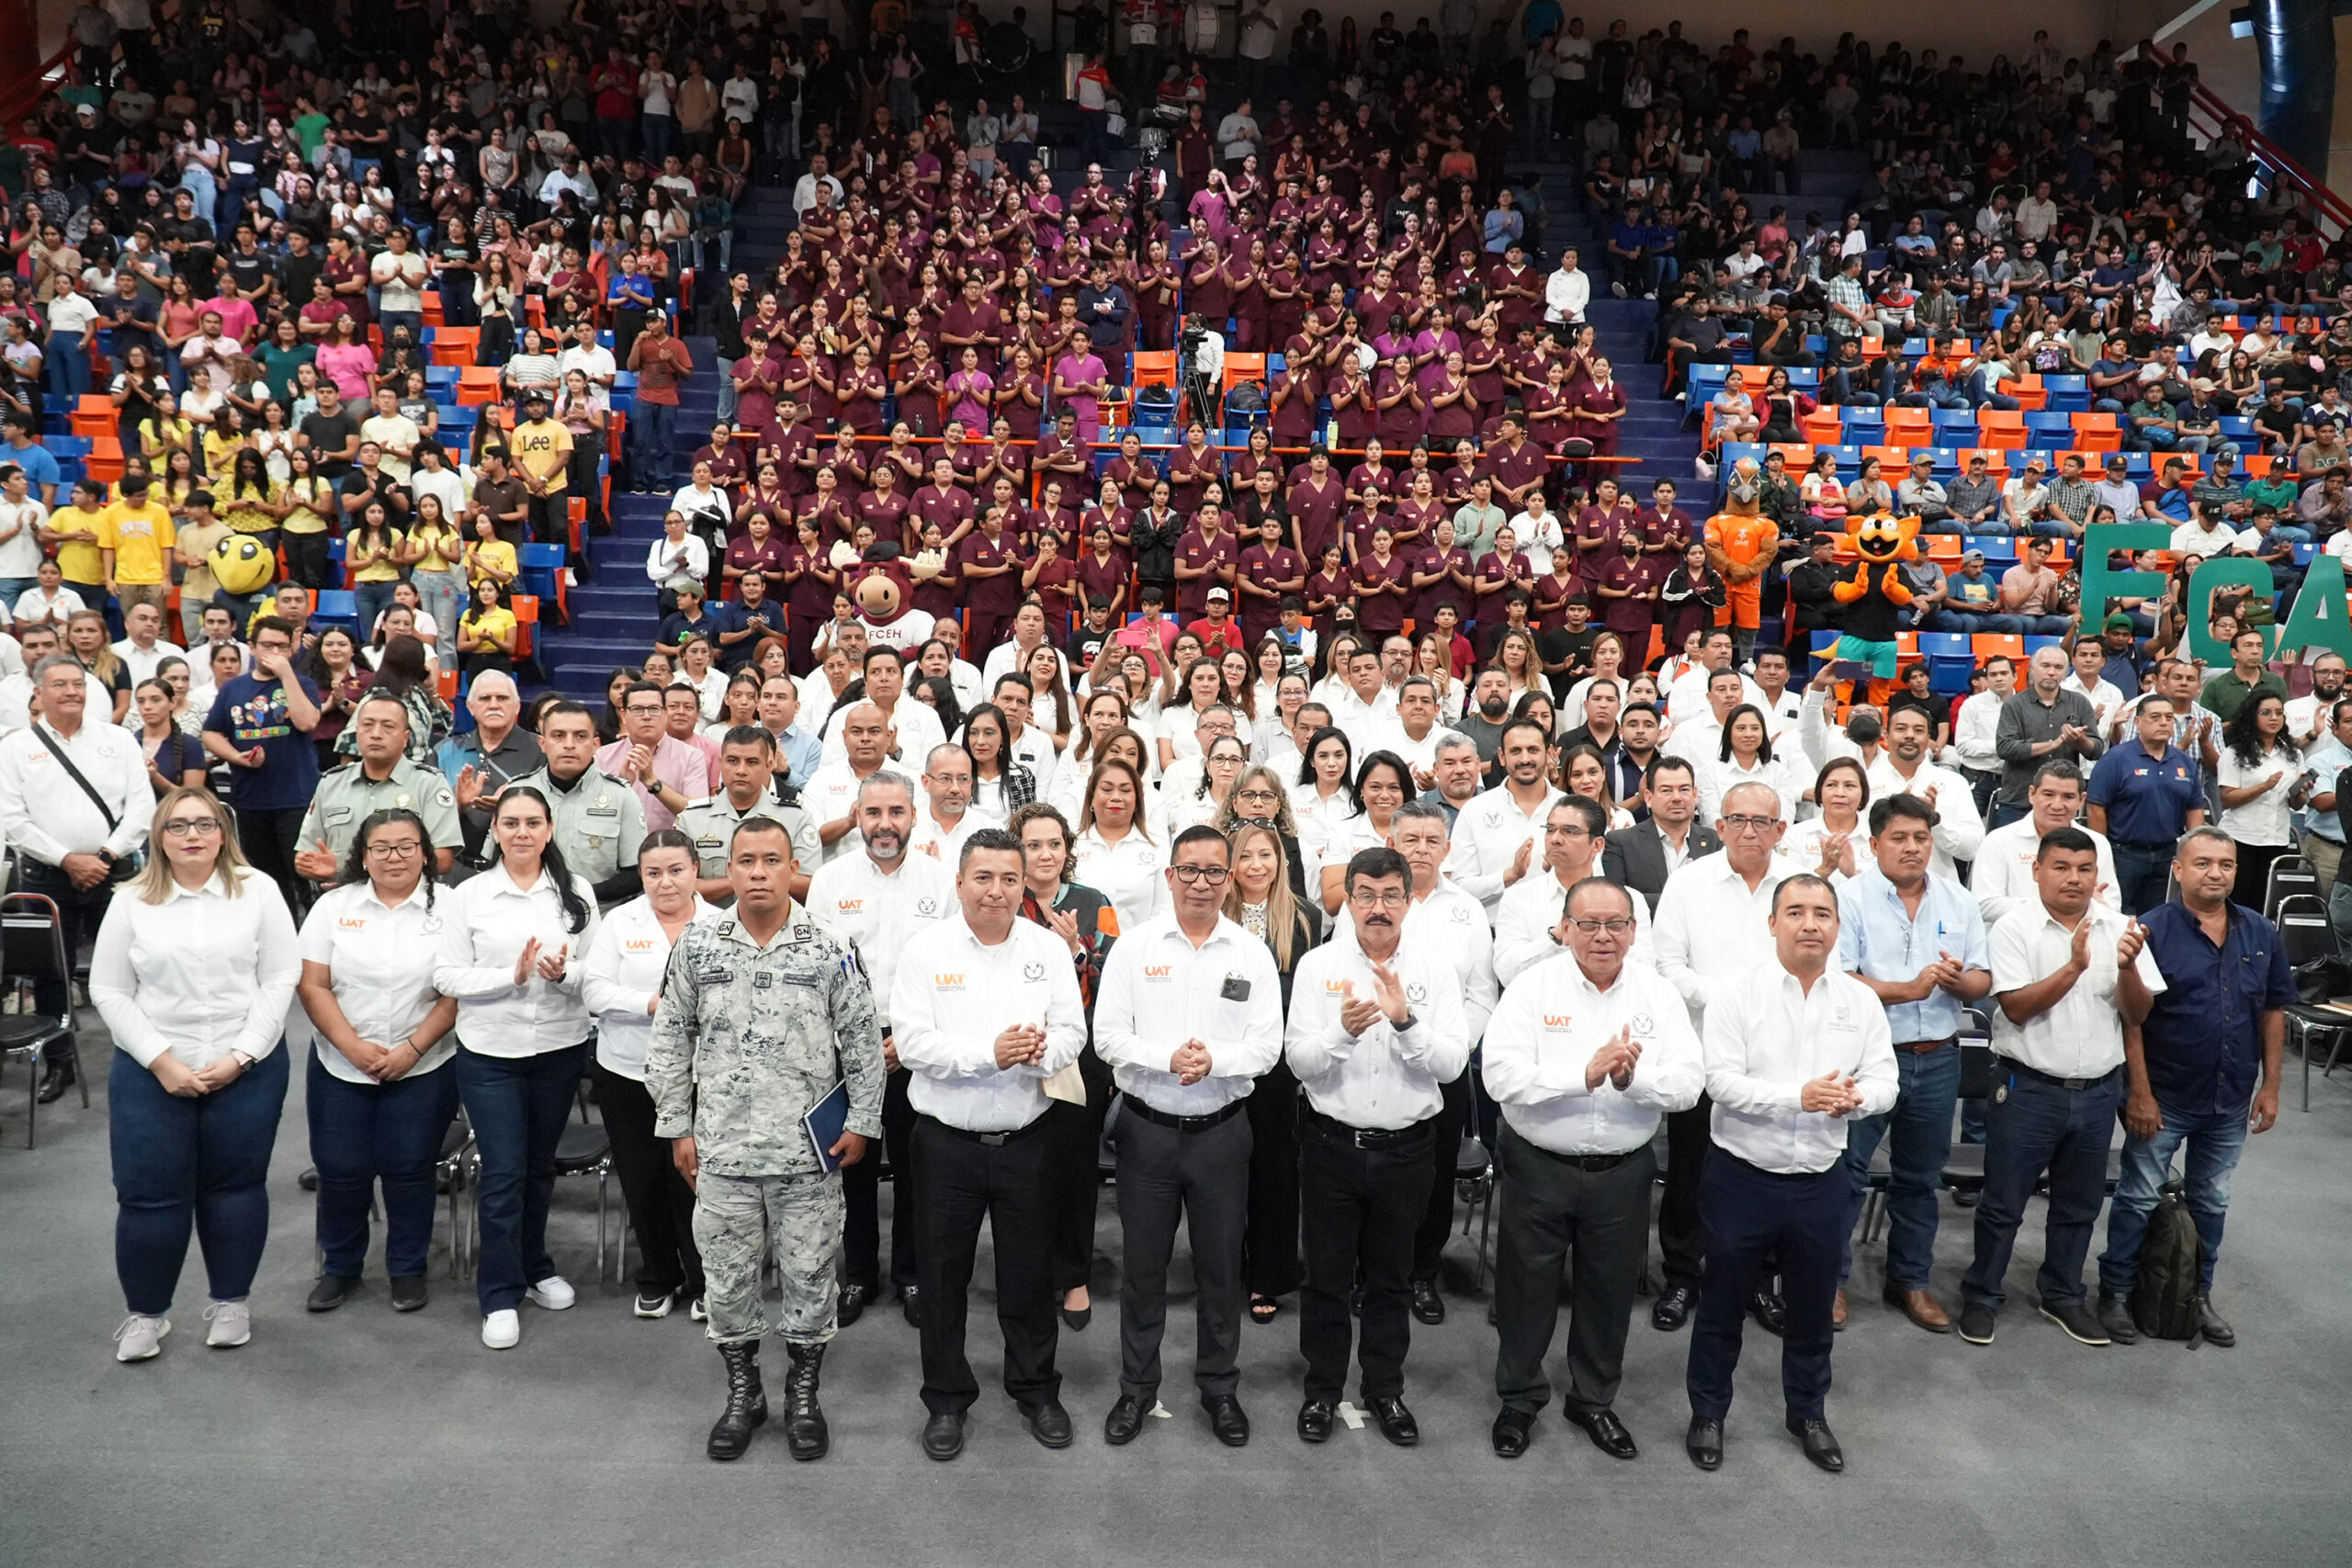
762, 1012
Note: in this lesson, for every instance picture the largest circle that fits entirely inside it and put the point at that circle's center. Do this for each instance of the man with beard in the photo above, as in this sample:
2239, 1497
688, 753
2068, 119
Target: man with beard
1497, 830
875, 901
1489, 710
1374, 1030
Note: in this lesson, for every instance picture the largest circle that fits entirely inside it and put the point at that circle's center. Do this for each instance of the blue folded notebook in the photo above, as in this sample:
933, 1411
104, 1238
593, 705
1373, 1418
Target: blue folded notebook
825, 1122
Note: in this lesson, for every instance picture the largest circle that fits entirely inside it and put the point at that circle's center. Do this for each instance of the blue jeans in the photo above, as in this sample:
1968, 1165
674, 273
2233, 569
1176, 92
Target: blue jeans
518, 1105
651, 428
15, 588
361, 1134
1918, 1135
200, 1163
2032, 1124
68, 371
2141, 872
412, 319
442, 599
374, 599
2215, 1140
1954, 621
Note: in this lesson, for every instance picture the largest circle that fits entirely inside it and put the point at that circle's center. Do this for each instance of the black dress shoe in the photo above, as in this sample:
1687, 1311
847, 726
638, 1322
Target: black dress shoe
1511, 1429
331, 1291
943, 1435
1397, 1423
1120, 1427
911, 1300
855, 1299
1048, 1423
1607, 1433
1771, 1314
1075, 1318
409, 1292
1704, 1442
1428, 1306
1315, 1419
309, 1180
55, 1079
1672, 1308
1226, 1419
1820, 1444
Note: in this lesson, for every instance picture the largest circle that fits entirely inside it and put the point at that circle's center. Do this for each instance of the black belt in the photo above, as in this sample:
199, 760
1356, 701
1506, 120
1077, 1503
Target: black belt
1135, 1107
1365, 1138
1921, 1047
990, 1140
1582, 1162
2010, 1064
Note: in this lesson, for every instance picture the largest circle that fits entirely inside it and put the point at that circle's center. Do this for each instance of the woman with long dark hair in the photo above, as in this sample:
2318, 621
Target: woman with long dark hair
2261, 782
508, 952
380, 1098
621, 982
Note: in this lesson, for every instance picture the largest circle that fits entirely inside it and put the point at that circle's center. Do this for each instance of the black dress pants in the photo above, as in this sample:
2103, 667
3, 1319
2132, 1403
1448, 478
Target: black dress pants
660, 1204
1437, 1217
1595, 1216
1270, 1244
1358, 1208
861, 1199
962, 1178
1681, 1237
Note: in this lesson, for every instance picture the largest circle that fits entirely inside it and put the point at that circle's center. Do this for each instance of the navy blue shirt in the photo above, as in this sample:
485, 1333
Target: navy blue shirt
250, 712
733, 616
2148, 799
2203, 1037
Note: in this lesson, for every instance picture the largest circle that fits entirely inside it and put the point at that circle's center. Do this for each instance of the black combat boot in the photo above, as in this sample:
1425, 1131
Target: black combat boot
804, 1419
747, 1402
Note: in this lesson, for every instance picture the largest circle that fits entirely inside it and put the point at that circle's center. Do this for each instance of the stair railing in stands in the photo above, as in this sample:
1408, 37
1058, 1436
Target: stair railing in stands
2210, 115
23, 95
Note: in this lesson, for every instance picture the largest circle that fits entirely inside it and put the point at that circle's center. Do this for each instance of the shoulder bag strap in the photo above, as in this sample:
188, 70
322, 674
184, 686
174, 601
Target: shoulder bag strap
56, 746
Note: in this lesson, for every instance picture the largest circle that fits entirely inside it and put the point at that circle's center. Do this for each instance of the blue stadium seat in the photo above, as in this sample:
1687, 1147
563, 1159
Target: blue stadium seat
2068, 394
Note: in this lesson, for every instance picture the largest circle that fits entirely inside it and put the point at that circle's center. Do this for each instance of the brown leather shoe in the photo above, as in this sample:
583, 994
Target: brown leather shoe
1921, 1307
1837, 1313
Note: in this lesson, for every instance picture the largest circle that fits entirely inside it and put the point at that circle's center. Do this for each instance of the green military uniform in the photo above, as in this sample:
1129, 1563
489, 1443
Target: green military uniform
747, 1040
598, 822
712, 823
347, 797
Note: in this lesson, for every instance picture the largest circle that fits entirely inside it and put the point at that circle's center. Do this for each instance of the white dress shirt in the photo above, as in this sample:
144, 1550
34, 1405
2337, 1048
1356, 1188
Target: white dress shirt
199, 974
695, 561
2002, 874
1711, 930
953, 995
1766, 1038
142, 662
1959, 829
1127, 873
620, 975
876, 911
485, 922
1717, 778
1452, 925
1530, 913
1008, 656
44, 814
1157, 990
1686, 699
1488, 834
1543, 1034
2082, 1036
1323, 825
830, 794
1385, 1079
918, 727
381, 959
1972, 736
1366, 723
944, 844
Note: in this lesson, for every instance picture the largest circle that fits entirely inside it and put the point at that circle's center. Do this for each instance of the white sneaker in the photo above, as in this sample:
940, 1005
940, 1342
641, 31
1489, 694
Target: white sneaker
502, 1329
140, 1338
231, 1325
554, 1292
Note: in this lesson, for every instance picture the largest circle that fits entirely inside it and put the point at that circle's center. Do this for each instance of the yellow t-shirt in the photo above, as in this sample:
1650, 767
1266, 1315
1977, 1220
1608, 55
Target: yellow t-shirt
543, 447
220, 450
496, 552
444, 547
139, 536
303, 519
78, 558
245, 512
495, 623
166, 435
384, 569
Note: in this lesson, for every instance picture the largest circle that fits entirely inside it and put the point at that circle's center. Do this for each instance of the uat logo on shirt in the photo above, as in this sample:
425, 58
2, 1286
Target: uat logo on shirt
640, 944
1559, 1020
353, 923
849, 906
949, 982
1158, 971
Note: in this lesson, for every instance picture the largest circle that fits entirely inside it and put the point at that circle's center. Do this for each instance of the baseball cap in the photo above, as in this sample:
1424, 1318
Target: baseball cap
2117, 623
2115, 460
1977, 555
1219, 593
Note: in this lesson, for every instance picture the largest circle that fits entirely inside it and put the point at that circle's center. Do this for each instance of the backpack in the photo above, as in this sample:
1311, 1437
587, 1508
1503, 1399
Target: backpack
1247, 397
1156, 400
2164, 1303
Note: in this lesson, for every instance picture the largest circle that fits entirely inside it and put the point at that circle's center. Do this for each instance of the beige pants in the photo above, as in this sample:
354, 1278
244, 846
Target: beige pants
141, 593
2326, 856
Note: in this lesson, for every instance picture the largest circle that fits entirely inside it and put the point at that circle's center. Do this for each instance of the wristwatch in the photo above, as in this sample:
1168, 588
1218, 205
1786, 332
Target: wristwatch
1410, 1019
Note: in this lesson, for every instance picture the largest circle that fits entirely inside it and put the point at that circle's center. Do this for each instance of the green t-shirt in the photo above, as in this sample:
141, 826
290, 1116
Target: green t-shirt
311, 128
2279, 491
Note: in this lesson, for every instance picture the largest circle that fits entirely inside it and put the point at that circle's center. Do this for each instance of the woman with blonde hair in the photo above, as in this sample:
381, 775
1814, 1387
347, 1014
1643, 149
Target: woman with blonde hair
193, 972
1260, 897
1521, 661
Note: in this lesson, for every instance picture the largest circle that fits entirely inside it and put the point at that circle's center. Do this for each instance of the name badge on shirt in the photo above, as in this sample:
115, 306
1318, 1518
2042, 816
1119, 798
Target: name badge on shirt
716, 977
1235, 989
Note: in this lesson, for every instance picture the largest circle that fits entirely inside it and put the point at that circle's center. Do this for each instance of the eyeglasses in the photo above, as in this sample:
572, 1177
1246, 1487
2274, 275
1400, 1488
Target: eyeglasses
1617, 926
1578, 832
404, 849
191, 827
1391, 900
1256, 794
1213, 876
1751, 824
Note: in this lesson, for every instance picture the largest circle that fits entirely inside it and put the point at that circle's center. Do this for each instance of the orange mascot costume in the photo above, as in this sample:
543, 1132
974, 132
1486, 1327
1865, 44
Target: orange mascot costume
1874, 596
1741, 545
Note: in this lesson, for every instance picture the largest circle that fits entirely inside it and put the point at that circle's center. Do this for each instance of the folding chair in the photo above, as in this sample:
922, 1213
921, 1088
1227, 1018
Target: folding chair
32, 949
2291, 876
2311, 949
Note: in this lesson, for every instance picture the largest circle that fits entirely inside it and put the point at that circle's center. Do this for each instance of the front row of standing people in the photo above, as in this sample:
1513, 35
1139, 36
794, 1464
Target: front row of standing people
721, 1028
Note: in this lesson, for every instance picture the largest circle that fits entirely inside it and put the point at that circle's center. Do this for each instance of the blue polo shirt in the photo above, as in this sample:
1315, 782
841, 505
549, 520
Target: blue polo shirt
2203, 1038
2147, 798
40, 465
1879, 937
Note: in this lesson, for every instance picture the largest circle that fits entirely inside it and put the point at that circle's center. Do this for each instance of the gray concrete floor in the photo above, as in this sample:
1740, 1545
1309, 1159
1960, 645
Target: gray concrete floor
365, 1437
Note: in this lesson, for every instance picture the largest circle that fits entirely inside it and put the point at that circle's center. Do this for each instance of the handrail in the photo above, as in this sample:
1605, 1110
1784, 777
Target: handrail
2328, 207
23, 96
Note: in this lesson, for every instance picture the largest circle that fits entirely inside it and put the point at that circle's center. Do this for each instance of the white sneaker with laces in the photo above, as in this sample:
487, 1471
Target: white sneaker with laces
502, 1329
554, 1292
140, 1338
655, 1306
231, 1325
